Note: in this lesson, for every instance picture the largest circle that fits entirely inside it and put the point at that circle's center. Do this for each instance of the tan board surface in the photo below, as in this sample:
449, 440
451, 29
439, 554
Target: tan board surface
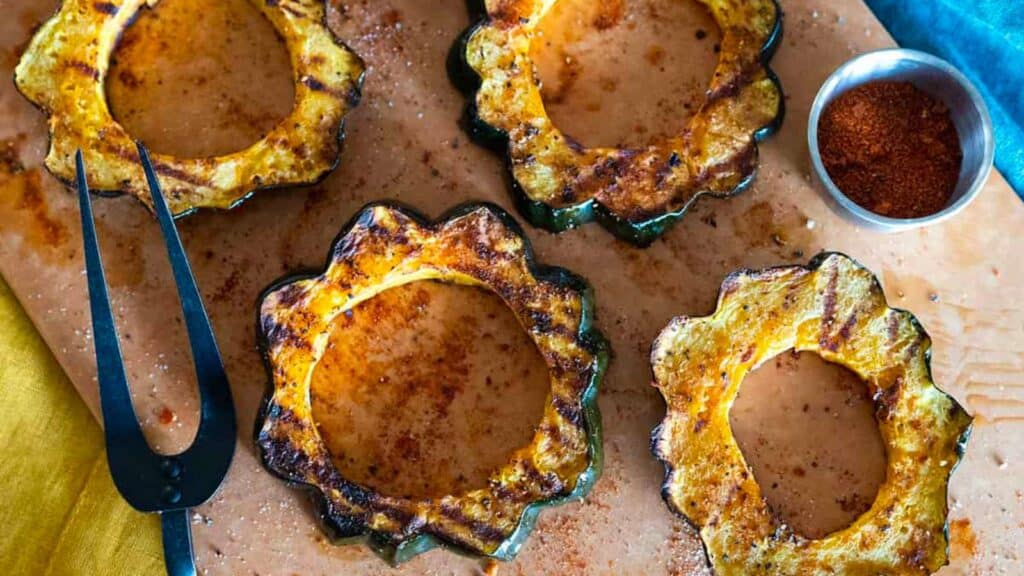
963, 279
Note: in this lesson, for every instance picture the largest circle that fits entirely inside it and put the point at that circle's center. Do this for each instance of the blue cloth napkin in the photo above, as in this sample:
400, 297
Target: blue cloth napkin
985, 40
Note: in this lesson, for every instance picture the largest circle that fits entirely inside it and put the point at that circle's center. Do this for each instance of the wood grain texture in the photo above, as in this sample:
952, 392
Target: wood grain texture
963, 279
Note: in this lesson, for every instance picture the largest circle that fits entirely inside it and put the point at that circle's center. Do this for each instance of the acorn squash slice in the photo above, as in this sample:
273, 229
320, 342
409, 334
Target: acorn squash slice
636, 193
63, 72
478, 245
836, 309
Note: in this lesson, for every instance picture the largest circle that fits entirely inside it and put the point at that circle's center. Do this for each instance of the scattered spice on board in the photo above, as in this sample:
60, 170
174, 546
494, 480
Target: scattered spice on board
891, 148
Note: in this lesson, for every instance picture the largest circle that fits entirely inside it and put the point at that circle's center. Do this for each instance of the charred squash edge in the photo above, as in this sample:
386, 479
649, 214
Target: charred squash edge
786, 533
164, 162
353, 530
561, 219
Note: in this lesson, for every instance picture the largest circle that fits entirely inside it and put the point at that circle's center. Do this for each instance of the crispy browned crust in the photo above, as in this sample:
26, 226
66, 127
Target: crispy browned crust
635, 193
836, 309
386, 246
63, 72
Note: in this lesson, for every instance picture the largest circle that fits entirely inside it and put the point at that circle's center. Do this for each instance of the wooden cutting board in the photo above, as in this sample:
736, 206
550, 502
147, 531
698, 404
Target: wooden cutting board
624, 78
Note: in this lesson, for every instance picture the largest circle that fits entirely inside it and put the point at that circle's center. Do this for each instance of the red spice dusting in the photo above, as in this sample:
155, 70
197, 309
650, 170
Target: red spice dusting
891, 148
10, 163
167, 416
392, 17
609, 14
963, 540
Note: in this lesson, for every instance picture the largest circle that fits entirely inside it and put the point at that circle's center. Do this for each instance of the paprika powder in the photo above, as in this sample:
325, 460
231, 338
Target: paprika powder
891, 148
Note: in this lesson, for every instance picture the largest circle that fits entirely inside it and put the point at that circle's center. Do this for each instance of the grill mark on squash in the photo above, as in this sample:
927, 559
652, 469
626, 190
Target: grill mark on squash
570, 411
179, 174
287, 7
84, 68
556, 435
108, 8
841, 336
479, 529
893, 327
828, 313
886, 398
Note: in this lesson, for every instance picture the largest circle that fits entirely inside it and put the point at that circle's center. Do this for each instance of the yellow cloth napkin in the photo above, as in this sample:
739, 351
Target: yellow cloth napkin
60, 513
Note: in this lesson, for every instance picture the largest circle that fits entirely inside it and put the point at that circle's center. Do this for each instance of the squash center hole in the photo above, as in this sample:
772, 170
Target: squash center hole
426, 389
199, 78
807, 429
624, 73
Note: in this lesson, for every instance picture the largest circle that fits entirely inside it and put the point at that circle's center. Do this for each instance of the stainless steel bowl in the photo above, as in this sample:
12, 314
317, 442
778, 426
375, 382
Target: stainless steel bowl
942, 81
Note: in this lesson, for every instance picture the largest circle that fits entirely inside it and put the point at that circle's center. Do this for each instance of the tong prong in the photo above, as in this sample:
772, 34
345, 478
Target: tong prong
121, 428
214, 392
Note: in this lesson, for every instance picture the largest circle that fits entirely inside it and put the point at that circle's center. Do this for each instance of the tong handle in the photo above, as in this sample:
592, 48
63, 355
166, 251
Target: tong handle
177, 537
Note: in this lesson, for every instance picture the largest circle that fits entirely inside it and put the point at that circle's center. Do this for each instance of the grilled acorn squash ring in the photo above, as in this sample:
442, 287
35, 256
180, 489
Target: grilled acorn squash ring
63, 72
836, 309
480, 245
635, 193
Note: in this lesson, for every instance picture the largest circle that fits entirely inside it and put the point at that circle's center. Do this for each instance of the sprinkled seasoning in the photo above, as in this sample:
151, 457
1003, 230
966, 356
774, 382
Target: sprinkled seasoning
891, 148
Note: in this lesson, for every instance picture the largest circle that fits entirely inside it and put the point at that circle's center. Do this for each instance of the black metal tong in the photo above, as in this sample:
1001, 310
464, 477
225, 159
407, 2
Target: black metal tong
150, 482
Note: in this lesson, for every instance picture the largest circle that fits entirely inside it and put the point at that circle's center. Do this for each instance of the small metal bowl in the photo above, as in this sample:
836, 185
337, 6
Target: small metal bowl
942, 81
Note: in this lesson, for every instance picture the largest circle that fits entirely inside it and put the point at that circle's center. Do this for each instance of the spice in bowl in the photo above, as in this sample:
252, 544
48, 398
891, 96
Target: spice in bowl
891, 148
